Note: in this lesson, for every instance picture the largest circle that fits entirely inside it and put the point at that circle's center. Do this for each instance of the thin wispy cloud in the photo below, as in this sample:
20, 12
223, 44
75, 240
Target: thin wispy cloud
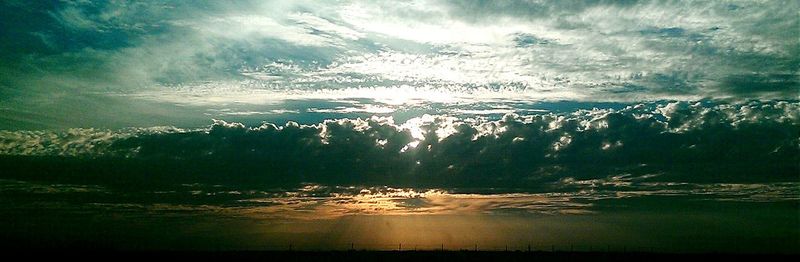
538, 50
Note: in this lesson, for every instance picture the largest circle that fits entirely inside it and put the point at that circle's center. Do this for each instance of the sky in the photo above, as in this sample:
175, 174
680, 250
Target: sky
660, 125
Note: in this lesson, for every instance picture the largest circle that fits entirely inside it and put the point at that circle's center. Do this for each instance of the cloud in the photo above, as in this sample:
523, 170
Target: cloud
319, 202
600, 50
699, 141
775, 83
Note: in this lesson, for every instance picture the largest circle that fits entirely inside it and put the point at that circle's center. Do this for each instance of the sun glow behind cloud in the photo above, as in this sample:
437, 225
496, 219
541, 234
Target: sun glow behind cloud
320, 202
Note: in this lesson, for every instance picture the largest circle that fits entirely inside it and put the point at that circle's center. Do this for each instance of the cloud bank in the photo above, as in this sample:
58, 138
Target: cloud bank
675, 142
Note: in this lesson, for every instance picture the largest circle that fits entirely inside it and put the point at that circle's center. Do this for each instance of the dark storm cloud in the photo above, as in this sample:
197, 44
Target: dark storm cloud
680, 141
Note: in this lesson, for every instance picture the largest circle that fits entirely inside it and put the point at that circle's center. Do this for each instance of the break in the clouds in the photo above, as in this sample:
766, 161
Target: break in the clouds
66, 58
320, 202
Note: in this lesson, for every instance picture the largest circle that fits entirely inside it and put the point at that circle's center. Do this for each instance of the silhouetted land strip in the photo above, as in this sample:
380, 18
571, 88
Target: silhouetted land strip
462, 255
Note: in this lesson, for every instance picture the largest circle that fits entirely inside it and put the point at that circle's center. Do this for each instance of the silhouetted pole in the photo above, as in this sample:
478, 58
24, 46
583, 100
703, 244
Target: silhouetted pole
400, 247
442, 247
290, 246
352, 246
476, 247
506, 248
552, 248
529, 247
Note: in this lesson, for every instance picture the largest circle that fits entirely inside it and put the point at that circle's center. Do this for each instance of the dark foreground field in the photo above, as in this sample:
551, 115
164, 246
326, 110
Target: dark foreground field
409, 256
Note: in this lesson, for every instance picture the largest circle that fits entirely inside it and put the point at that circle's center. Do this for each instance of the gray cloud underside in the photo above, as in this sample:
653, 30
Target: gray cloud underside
656, 142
